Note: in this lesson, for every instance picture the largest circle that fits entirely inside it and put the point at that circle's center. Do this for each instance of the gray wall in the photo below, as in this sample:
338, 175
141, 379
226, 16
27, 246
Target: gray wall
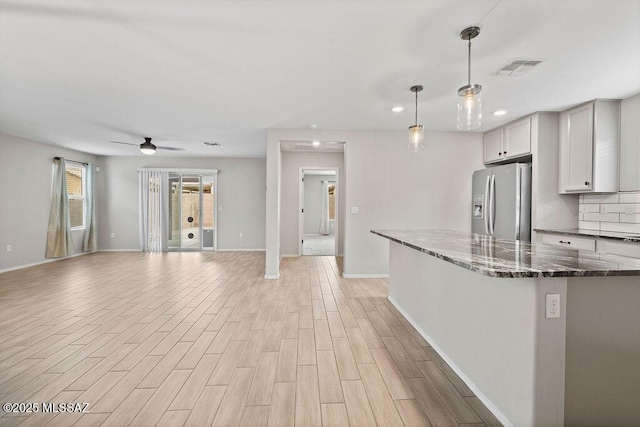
241, 193
291, 164
391, 188
313, 201
25, 198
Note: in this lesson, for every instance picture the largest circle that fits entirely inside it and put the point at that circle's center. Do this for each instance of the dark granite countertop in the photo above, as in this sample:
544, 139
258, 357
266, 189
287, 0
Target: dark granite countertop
625, 237
507, 258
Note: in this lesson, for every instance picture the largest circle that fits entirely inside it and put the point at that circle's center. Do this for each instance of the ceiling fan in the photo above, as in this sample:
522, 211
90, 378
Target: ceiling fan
147, 147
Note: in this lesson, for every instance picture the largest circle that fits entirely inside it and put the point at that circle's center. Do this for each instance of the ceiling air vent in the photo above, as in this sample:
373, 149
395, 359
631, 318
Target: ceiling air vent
518, 67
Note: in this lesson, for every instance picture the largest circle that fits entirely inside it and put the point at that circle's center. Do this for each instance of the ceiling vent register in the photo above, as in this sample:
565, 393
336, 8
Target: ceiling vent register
518, 67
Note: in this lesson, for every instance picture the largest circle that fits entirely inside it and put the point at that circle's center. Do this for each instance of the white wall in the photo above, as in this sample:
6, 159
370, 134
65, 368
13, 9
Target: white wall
291, 164
241, 193
313, 195
391, 188
25, 198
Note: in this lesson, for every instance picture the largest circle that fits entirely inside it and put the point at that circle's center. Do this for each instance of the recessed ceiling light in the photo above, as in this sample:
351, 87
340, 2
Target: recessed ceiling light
313, 126
397, 109
316, 143
500, 112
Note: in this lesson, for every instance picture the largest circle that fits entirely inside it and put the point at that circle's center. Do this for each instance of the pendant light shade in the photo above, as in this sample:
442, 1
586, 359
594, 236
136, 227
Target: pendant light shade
416, 131
469, 103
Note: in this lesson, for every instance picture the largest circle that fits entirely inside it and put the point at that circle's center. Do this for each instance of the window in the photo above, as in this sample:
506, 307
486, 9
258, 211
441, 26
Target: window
77, 194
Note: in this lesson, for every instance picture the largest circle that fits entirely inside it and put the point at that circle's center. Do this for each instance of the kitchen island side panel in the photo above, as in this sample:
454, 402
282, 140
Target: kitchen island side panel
603, 351
492, 331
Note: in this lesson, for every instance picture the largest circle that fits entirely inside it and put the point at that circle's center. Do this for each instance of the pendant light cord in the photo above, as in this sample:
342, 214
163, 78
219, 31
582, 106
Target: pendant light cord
416, 108
469, 65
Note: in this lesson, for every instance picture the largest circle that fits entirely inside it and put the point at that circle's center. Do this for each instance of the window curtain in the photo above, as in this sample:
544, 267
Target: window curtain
59, 242
325, 228
153, 190
90, 233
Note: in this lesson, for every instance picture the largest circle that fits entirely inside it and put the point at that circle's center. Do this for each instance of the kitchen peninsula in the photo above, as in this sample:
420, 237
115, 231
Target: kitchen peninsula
484, 305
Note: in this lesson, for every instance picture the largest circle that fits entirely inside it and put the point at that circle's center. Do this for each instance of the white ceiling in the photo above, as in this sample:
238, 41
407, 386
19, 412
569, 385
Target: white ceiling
81, 73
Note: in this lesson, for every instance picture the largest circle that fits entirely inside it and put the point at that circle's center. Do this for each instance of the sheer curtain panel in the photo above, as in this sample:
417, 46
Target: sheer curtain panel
153, 216
90, 233
59, 242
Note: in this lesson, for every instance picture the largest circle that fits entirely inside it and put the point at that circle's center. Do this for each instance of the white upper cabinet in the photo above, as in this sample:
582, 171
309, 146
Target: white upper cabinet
517, 137
630, 144
589, 142
508, 142
493, 145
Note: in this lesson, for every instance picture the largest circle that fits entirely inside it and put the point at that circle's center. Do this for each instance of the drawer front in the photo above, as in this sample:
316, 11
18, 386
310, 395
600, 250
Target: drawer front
570, 242
624, 249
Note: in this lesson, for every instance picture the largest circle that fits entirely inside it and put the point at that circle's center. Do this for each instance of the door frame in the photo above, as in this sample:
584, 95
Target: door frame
301, 171
213, 173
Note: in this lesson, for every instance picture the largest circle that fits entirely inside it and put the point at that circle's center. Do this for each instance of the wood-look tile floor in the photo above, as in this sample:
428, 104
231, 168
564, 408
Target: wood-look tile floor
198, 339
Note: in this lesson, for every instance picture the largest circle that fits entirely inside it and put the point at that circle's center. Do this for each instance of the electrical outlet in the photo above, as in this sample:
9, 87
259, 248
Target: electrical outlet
552, 306
220, 208
113, 235
241, 235
9, 248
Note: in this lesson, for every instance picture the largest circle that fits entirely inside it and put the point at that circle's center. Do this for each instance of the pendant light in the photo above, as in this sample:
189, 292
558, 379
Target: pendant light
416, 131
147, 147
469, 103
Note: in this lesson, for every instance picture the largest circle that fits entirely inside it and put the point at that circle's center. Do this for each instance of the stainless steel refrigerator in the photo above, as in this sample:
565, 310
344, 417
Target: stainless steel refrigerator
502, 201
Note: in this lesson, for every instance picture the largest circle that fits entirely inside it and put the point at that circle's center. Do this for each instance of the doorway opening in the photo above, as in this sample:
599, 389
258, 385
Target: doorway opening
192, 213
318, 211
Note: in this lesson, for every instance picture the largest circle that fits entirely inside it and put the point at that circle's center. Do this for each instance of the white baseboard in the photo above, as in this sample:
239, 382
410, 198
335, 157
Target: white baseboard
484, 399
241, 250
119, 250
365, 276
45, 261
272, 276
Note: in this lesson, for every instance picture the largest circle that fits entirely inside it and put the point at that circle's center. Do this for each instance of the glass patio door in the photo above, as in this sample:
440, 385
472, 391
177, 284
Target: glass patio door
191, 213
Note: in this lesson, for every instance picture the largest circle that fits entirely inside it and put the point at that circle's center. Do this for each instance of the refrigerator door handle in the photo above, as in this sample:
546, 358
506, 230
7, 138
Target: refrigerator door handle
492, 205
486, 205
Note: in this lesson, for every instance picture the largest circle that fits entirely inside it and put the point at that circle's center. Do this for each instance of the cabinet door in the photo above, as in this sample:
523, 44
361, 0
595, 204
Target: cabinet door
630, 144
493, 146
517, 138
577, 145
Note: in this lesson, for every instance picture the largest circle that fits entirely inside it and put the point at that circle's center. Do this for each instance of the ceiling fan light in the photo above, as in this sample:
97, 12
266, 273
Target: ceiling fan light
147, 148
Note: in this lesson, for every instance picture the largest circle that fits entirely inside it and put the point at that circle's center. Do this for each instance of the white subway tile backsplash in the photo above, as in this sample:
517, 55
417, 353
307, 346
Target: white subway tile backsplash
629, 197
620, 227
633, 218
588, 225
601, 198
627, 208
610, 212
608, 217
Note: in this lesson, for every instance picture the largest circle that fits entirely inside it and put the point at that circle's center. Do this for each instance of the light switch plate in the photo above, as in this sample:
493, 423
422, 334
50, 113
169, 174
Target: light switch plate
355, 210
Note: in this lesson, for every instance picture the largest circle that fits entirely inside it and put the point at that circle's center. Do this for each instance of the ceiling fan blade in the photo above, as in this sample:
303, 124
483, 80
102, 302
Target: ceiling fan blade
169, 148
125, 143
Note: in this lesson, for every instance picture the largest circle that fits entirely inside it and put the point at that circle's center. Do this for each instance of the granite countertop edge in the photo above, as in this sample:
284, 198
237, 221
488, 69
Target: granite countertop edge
612, 235
507, 272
